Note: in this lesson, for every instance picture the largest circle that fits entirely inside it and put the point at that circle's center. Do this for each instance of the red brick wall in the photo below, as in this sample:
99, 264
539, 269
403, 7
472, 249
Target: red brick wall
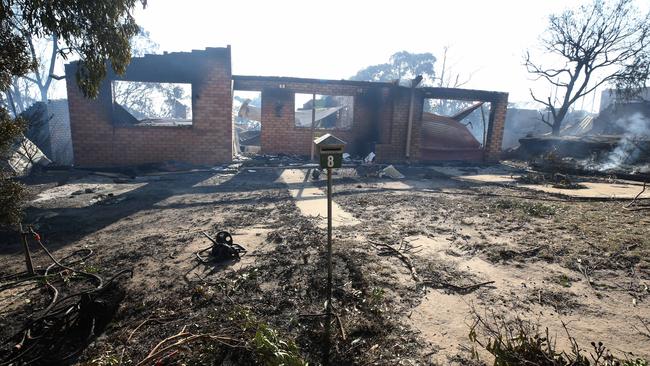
394, 125
393, 149
98, 142
495, 128
381, 117
279, 133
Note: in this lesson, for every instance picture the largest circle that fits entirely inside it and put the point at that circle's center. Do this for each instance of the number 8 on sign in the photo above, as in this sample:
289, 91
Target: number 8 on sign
330, 161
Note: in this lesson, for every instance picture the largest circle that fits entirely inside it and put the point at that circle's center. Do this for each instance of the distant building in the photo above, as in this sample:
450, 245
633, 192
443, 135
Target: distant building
49, 129
609, 97
60, 139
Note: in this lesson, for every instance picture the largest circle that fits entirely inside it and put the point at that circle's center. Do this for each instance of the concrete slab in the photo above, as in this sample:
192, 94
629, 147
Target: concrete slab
312, 201
84, 192
619, 189
478, 174
596, 190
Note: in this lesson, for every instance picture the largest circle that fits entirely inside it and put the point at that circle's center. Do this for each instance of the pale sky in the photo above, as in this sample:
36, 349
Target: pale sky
334, 39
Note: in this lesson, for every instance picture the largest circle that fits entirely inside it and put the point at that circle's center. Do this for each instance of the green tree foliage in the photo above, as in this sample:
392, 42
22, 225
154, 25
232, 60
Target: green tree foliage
11, 193
95, 31
401, 65
634, 77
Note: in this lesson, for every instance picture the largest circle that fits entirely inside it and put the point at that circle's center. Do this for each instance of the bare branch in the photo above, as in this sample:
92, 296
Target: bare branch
598, 43
48, 82
543, 119
30, 79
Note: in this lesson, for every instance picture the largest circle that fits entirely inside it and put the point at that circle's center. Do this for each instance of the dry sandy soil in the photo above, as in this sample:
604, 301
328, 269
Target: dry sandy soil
540, 256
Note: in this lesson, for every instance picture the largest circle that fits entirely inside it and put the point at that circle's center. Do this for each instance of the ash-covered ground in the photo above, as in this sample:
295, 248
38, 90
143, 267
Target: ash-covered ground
414, 265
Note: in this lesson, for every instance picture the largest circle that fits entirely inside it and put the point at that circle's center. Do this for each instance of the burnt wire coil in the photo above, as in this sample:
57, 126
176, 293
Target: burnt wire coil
223, 248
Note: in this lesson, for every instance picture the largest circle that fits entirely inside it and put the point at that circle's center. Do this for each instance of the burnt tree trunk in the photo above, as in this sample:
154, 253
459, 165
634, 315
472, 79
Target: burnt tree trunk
558, 119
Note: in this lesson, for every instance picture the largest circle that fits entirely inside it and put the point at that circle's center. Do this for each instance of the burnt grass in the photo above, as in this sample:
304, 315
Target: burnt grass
505, 225
282, 290
285, 287
512, 225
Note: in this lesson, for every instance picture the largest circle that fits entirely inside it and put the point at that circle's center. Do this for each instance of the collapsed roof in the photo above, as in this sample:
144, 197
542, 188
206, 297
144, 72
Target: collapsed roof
23, 156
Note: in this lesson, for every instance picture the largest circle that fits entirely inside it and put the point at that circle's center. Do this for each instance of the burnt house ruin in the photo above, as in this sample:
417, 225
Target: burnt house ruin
189, 116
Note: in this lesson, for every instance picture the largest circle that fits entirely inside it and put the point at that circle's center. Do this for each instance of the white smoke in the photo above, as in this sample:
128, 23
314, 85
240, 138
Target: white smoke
627, 151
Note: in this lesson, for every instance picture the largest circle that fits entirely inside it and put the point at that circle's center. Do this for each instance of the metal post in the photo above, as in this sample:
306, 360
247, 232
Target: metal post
409, 128
328, 308
484, 141
330, 149
329, 240
28, 255
313, 123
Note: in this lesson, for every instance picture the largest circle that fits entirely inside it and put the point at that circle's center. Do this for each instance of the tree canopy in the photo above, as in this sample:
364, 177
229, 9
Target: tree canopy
95, 31
595, 44
401, 65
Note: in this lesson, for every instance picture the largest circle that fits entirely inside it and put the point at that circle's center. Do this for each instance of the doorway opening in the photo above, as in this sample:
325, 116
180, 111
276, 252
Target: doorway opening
247, 122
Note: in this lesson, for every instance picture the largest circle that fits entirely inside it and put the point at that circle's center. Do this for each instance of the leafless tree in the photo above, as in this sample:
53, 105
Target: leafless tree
447, 78
44, 75
596, 43
27, 150
44, 52
18, 96
35, 86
